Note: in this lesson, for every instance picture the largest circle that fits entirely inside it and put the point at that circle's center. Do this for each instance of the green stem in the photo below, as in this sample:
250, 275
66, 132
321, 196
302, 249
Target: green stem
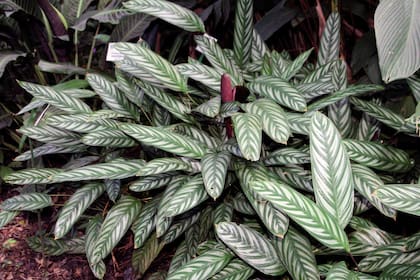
92, 47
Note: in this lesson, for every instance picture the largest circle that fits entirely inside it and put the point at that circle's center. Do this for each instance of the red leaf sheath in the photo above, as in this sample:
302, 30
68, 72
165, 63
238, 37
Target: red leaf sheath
228, 95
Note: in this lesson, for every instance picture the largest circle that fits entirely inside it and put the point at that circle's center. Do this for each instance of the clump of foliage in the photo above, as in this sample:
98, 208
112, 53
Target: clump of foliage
250, 161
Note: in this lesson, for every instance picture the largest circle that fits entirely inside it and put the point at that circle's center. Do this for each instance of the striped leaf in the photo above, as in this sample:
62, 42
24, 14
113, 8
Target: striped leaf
341, 94
223, 213
166, 140
296, 65
287, 156
196, 134
214, 169
187, 196
116, 223
144, 224
331, 171
75, 206
56, 98
383, 115
403, 197
180, 258
280, 91
92, 231
142, 258
48, 149
179, 227
158, 67
26, 202
51, 135
200, 72
218, 59
166, 100
259, 48
169, 12
210, 108
111, 95
32, 176
112, 188
152, 182
160, 116
365, 182
304, 212
294, 176
125, 83
163, 165
242, 32
202, 267
241, 204
295, 251
235, 270
368, 126
274, 219
6, 217
116, 169
378, 156
251, 246
249, 135
401, 272
47, 246
329, 46
340, 271
80, 123
298, 123
108, 138
273, 118
129, 65
192, 238
386, 256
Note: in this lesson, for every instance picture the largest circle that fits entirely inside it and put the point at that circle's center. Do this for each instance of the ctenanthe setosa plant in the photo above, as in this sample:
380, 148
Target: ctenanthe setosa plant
252, 162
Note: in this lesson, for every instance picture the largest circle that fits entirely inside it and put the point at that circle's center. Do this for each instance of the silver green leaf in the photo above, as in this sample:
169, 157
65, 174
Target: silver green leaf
165, 140
48, 149
218, 59
249, 135
214, 169
280, 91
56, 98
403, 197
287, 156
75, 206
187, 196
235, 270
329, 46
6, 217
365, 182
32, 176
378, 156
116, 223
200, 72
169, 12
180, 258
143, 257
144, 224
340, 271
202, 267
331, 171
26, 202
152, 182
83, 123
304, 212
157, 66
298, 123
242, 32
210, 108
401, 272
108, 138
179, 227
251, 246
111, 95
273, 118
295, 251
92, 230
294, 67
51, 135
163, 165
115, 169
397, 30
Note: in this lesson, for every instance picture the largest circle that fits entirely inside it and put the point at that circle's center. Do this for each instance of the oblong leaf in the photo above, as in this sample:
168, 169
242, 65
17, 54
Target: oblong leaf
305, 212
378, 156
26, 202
249, 135
235, 270
169, 12
401, 272
250, 246
32, 176
202, 267
403, 197
163, 165
6, 217
75, 206
116, 223
331, 171
214, 170
165, 140
242, 32
108, 138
